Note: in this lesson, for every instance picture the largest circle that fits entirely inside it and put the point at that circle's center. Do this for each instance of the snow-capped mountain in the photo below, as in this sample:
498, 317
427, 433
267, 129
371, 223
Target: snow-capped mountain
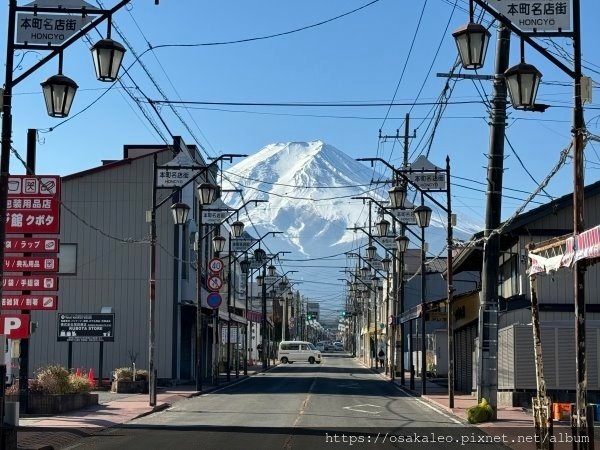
309, 187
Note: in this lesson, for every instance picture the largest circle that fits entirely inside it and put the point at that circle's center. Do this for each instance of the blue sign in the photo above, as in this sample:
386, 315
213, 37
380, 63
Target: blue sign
214, 300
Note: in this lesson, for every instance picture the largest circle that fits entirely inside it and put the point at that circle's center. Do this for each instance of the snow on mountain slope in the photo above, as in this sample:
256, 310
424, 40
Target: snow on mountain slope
309, 187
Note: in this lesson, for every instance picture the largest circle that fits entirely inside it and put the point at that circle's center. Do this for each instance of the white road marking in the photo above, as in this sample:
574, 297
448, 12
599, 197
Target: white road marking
353, 408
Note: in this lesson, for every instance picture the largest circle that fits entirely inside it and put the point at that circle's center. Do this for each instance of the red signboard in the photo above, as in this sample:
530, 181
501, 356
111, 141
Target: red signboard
15, 326
33, 204
30, 302
30, 264
31, 245
30, 283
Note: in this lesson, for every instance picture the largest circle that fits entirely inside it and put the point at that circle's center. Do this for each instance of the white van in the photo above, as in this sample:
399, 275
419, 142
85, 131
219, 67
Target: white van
301, 351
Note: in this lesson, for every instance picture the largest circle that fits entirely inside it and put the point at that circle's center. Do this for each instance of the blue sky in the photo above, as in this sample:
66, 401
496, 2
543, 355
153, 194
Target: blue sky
361, 57
391, 49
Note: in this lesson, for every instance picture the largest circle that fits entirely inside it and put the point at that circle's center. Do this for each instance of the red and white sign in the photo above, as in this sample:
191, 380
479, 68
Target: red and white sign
15, 326
31, 245
33, 204
30, 302
30, 283
214, 283
215, 265
30, 264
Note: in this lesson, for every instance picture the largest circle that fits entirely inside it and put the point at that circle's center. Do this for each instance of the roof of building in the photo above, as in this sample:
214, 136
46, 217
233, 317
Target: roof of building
471, 258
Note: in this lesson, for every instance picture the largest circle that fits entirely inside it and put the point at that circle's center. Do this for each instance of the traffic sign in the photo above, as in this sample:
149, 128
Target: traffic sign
214, 300
31, 245
15, 326
30, 302
86, 327
215, 265
535, 15
214, 283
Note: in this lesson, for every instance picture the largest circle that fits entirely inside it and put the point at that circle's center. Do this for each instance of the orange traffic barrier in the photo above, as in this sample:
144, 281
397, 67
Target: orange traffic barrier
561, 411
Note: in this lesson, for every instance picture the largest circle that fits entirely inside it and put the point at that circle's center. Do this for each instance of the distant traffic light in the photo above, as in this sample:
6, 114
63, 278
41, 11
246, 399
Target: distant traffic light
309, 317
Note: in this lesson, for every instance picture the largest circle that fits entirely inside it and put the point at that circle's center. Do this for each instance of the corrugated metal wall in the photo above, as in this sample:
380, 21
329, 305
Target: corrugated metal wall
112, 201
558, 352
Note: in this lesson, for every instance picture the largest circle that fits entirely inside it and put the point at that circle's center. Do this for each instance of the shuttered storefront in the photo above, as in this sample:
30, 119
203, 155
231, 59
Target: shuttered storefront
464, 342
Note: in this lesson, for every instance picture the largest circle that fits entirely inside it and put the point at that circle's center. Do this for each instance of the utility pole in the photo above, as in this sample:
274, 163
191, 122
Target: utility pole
488, 306
399, 293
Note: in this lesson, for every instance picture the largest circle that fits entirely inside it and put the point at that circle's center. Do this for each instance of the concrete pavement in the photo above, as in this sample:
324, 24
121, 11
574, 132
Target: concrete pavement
514, 425
61, 431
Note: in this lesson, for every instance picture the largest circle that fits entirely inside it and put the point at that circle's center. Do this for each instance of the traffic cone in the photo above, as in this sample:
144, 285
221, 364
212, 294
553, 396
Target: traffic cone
91, 381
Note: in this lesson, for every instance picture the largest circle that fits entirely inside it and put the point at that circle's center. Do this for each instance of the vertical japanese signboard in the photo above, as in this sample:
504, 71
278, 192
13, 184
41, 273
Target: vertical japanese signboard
33, 207
33, 204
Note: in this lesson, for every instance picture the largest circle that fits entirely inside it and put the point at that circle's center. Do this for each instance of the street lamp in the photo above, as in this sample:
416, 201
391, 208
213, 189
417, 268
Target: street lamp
472, 41
107, 55
59, 92
423, 216
259, 255
397, 196
237, 228
218, 243
383, 227
180, 213
206, 195
370, 250
402, 243
523, 81
386, 263
271, 270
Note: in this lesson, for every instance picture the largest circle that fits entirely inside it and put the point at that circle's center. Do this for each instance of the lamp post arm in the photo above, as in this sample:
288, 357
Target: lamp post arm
405, 178
375, 237
280, 277
526, 38
201, 170
105, 14
234, 211
368, 263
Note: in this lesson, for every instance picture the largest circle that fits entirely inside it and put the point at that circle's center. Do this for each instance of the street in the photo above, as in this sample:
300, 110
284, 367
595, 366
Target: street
296, 406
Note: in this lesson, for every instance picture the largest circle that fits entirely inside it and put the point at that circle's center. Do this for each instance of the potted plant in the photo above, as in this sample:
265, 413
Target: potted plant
126, 380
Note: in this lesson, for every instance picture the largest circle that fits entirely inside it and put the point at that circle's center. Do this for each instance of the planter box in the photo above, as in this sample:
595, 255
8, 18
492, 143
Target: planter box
129, 387
56, 404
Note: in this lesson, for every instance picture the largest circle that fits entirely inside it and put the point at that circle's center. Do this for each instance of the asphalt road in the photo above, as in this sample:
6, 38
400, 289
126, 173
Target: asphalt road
337, 404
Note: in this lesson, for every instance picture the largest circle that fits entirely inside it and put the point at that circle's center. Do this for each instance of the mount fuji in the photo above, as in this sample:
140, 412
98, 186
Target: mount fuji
309, 187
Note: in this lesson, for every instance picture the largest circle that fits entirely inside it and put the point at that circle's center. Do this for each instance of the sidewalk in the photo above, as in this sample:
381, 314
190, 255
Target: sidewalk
514, 425
55, 432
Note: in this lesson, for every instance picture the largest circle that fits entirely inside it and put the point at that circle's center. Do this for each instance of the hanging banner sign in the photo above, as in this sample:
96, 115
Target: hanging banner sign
33, 204
30, 264
214, 217
532, 16
30, 302
31, 245
48, 29
30, 283
176, 172
241, 244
